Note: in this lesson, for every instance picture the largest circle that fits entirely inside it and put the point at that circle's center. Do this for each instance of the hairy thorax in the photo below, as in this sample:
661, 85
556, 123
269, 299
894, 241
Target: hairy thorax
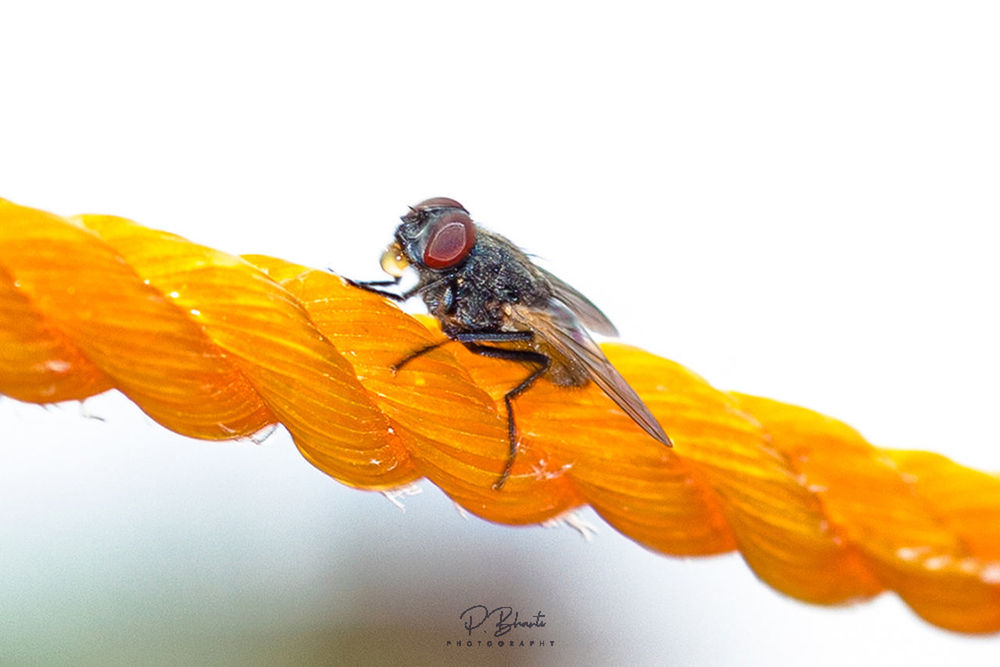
481, 298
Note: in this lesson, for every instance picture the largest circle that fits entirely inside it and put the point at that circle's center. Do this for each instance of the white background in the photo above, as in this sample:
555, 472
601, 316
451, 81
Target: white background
793, 200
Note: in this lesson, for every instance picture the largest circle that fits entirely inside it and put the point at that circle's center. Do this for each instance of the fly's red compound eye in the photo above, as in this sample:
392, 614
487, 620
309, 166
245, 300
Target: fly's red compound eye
449, 240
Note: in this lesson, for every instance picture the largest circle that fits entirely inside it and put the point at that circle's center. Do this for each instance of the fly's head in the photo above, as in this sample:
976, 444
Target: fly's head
436, 234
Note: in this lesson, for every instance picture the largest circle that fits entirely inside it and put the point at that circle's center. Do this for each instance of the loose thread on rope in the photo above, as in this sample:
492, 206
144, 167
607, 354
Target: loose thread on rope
218, 347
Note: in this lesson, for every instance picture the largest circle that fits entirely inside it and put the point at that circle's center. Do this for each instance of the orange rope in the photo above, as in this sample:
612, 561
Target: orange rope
218, 347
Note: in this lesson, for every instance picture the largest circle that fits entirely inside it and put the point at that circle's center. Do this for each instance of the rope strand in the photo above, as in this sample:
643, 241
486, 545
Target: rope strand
218, 347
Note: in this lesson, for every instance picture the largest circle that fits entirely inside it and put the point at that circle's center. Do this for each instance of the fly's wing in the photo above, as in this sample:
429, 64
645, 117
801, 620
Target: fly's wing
559, 328
589, 314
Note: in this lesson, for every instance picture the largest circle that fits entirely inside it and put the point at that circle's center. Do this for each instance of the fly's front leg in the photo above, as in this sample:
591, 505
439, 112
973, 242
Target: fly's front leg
373, 285
524, 356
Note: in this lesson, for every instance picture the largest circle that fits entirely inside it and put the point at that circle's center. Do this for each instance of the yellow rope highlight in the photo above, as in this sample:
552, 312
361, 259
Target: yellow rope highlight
218, 347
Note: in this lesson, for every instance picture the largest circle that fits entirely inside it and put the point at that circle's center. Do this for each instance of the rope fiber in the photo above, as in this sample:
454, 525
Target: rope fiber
219, 347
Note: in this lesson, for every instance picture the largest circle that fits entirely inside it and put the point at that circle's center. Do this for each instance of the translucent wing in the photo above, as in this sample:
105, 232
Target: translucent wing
589, 314
559, 327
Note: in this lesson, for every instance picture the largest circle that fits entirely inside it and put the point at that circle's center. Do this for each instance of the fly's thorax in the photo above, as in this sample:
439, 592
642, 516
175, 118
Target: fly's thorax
477, 294
499, 269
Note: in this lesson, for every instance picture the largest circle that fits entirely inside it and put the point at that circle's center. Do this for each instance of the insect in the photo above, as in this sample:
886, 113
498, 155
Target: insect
488, 295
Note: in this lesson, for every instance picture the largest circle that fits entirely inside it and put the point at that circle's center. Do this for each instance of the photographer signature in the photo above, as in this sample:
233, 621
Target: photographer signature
475, 616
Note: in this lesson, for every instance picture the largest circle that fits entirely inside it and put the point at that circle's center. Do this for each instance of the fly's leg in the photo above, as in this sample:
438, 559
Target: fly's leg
465, 337
365, 284
373, 285
523, 356
473, 342
396, 367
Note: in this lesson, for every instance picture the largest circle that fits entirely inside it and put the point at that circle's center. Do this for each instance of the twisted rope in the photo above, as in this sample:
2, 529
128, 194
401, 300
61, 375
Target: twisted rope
219, 347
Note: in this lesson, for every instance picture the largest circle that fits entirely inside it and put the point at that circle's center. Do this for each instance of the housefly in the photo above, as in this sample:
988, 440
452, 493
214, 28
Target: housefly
488, 295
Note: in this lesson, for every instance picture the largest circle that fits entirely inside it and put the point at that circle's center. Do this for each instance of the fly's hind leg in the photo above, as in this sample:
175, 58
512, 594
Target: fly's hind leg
473, 342
524, 356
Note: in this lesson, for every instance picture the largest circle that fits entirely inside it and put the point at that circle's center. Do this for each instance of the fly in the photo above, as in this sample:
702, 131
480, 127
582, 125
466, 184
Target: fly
488, 295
